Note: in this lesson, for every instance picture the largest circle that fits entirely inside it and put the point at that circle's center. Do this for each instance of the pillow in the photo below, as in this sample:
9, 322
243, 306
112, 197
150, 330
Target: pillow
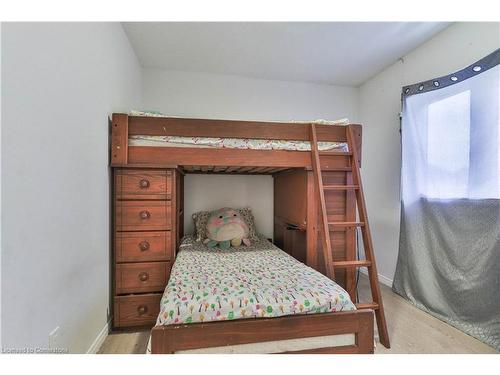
200, 220
247, 216
225, 228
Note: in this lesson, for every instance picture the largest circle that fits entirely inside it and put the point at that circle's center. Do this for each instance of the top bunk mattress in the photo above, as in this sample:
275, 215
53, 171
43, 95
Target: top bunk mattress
236, 143
259, 281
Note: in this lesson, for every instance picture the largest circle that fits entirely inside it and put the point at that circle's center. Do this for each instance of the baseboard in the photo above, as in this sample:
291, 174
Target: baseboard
381, 278
99, 339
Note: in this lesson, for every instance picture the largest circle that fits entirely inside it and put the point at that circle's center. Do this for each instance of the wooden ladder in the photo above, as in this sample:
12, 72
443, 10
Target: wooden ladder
326, 227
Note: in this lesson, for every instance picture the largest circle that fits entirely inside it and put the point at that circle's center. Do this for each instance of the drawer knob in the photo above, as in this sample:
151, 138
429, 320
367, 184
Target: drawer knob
142, 309
143, 276
144, 245
144, 184
144, 215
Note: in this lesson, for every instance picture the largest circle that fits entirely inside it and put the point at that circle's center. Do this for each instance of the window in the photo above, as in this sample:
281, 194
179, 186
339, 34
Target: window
448, 147
451, 141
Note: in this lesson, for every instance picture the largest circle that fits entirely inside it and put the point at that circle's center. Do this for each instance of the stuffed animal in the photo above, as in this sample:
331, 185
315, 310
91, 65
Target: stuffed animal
226, 228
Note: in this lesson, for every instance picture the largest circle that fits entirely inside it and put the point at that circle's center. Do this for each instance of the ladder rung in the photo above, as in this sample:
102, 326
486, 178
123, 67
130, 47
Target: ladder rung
340, 187
344, 224
337, 169
334, 153
352, 263
368, 305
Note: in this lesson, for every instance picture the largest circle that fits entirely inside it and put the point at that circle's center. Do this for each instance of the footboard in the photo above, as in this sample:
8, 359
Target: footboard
174, 338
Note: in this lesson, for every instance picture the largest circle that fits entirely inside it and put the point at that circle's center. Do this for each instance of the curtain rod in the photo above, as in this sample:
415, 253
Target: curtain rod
488, 62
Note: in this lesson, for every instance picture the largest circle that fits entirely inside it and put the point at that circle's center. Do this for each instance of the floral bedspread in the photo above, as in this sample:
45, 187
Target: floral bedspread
247, 282
239, 143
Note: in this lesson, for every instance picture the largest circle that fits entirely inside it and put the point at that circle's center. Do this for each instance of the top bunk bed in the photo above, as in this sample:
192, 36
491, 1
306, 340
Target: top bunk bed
226, 146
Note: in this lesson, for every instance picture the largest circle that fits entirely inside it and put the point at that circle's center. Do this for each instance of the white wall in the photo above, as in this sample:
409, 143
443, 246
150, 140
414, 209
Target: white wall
209, 192
230, 97
59, 84
454, 48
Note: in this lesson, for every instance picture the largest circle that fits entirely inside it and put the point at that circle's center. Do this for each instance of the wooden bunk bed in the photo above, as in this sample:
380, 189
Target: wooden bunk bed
317, 198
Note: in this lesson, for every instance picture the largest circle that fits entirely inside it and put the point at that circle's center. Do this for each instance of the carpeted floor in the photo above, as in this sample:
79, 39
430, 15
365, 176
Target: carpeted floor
411, 331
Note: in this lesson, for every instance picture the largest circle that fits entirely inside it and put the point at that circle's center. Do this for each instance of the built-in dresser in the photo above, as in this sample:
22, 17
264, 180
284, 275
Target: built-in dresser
147, 220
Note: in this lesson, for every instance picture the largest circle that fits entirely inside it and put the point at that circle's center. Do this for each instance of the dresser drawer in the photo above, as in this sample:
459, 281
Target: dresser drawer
143, 215
141, 277
136, 310
143, 246
143, 184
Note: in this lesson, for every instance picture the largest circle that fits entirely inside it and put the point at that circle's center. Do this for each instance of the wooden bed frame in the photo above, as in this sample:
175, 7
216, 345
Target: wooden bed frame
249, 161
173, 338
293, 173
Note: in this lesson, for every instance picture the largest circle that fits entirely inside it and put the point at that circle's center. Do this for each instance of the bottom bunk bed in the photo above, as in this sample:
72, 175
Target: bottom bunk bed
255, 299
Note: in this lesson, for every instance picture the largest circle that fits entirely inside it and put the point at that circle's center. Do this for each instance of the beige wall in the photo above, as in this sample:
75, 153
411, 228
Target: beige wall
454, 48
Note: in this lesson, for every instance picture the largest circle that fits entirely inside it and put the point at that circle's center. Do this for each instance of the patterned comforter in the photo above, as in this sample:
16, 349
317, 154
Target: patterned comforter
242, 144
259, 281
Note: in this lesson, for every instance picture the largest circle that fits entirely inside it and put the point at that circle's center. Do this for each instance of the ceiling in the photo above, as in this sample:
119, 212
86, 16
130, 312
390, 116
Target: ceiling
341, 53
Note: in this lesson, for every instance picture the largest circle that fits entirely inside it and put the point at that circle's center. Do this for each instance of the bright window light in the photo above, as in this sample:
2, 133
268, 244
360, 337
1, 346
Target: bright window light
448, 147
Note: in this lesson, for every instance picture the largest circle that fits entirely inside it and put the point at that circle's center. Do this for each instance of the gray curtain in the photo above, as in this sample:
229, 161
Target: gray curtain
449, 263
449, 252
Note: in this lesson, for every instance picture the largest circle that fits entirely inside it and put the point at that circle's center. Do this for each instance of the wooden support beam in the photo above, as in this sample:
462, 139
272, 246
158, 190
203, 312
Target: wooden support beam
119, 139
323, 225
218, 157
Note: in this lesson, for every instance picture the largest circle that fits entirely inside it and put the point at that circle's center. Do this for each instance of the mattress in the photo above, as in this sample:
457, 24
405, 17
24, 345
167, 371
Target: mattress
238, 143
258, 281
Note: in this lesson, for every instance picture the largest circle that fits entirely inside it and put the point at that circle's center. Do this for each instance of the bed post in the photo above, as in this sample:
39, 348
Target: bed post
312, 223
364, 335
357, 132
119, 139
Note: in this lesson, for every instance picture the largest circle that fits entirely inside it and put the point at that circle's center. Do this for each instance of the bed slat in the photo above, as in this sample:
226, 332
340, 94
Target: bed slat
220, 169
257, 170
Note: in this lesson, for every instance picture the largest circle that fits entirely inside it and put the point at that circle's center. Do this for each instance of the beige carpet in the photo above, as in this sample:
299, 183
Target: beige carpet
411, 331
